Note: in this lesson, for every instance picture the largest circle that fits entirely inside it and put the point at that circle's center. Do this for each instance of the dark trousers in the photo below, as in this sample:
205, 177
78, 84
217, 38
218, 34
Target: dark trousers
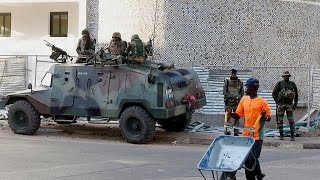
252, 159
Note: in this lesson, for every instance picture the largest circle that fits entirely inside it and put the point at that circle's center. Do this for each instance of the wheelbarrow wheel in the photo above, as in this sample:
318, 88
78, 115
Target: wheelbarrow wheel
228, 176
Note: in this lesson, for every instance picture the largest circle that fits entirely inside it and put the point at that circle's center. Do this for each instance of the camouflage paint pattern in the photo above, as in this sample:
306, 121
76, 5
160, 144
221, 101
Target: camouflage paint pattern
282, 109
106, 91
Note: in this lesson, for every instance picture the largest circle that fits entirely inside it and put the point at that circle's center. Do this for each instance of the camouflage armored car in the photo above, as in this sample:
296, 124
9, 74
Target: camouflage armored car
139, 95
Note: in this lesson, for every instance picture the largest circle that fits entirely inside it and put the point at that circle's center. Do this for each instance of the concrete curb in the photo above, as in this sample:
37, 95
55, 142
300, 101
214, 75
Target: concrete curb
207, 138
311, 145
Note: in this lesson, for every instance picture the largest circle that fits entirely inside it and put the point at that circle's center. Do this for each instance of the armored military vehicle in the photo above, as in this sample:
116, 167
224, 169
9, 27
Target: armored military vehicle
139, 95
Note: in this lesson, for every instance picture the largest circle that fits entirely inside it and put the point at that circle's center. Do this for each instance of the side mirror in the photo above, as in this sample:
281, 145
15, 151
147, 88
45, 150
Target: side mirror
30, 87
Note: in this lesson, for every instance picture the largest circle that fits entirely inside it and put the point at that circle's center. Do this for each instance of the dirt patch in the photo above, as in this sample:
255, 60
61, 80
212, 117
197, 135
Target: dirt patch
85, 130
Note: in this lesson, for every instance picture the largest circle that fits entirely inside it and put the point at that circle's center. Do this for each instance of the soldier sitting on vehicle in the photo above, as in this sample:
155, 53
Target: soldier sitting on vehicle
136, 50
85, 47
117, 47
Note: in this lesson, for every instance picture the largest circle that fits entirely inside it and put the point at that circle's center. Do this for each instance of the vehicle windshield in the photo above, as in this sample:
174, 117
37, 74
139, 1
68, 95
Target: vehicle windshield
46, 80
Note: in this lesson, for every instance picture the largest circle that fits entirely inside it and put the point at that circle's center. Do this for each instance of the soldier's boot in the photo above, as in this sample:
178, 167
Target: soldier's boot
236, 132
292, 131
281, 133
226, 131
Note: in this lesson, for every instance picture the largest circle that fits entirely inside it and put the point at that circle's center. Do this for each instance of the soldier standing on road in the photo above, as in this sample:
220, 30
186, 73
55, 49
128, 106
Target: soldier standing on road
233, 92
284, 93
117, 47
85, 47
136, 50
256, 111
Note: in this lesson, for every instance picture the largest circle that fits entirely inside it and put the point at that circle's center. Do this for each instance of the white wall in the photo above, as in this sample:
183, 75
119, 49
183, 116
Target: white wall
30, 25
127, 17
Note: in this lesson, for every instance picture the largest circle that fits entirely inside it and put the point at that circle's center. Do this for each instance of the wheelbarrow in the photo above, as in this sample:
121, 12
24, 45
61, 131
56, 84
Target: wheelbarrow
226, 154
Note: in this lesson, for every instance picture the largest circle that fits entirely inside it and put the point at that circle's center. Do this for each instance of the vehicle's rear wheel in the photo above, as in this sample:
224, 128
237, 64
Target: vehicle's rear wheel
23, 118
137, 125
178, 123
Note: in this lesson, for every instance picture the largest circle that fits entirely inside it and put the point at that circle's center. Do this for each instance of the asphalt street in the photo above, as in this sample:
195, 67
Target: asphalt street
66, 157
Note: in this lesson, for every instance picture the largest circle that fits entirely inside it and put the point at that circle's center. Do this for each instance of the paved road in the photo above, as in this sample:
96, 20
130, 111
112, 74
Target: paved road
66, 157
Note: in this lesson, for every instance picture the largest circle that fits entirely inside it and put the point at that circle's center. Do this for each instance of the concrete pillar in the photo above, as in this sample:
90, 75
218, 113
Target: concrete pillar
93, 17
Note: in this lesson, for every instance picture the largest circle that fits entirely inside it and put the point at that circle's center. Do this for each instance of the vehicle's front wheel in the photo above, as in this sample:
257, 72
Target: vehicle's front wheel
23, 118
137, 125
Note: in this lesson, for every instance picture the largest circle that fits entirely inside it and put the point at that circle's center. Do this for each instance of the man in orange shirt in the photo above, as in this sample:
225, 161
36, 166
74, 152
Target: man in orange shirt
256, 112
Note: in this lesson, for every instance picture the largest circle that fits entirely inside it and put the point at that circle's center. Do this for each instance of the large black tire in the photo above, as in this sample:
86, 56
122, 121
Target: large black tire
23, 118
178, 123
137, 125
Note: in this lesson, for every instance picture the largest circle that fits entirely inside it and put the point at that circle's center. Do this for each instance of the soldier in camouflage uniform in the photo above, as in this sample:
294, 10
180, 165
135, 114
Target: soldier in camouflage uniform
283, 94
117, 47
233, 92
85, 47
136, 50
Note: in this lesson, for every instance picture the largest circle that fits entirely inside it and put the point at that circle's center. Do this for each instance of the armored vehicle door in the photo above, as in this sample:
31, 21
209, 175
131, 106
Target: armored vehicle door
114, 83
63, 88
86, 99
135, 85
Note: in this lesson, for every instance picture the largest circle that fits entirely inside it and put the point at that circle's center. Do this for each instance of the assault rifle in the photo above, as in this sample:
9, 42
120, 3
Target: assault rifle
58, 54
100, 59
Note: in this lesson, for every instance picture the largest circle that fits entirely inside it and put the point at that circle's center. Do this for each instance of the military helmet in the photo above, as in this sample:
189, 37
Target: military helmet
286, 73
135, 36
85, 31
116, 35
252, 82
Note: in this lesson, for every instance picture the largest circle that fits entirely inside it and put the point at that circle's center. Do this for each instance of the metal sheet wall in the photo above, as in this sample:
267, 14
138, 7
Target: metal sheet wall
13, 73
212, 78
316, 88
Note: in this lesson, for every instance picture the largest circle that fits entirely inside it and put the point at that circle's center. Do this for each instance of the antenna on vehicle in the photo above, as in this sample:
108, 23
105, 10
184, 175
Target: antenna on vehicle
153, 36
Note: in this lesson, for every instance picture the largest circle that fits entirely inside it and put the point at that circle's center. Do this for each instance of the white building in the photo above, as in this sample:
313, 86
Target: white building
25, 24
245, 34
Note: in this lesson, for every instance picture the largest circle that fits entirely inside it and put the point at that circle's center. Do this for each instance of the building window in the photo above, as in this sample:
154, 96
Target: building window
5, 24
59, 24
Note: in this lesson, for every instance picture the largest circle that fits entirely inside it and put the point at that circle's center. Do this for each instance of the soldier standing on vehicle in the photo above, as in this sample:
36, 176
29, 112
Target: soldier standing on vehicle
136, 50
85, 47
233, 92
117, 47
284, 93
256, 111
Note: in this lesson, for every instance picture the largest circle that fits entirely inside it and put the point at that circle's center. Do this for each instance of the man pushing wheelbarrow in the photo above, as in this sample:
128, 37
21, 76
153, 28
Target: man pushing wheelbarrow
251, 107
256, 112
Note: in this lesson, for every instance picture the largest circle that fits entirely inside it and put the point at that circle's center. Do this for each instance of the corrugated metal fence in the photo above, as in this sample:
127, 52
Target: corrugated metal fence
316, 88
13, 73
212, 78
16, 71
